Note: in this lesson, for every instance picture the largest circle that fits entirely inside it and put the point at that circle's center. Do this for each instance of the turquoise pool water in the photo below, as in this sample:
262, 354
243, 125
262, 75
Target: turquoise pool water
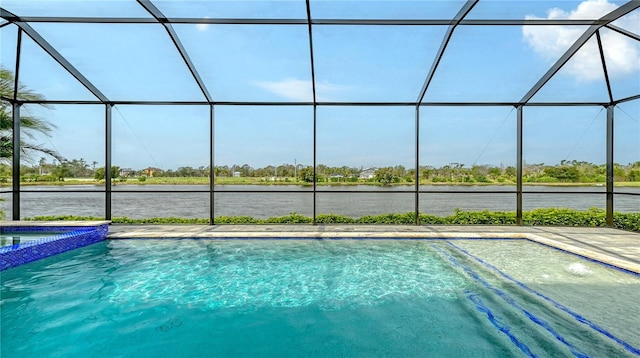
318, 298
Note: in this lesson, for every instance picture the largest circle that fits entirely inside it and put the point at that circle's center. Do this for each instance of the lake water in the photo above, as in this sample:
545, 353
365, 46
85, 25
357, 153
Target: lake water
274, 202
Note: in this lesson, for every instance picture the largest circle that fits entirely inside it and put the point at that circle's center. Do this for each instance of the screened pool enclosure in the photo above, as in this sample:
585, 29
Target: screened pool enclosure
204, 109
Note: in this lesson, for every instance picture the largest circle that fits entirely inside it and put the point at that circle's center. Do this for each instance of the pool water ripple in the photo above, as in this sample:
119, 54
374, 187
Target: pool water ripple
291, 274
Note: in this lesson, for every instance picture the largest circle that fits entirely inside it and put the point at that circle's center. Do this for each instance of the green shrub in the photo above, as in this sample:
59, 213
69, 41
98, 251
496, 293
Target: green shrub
627, 221
564, 217
167, 220
486, 217
292, 218
426, 219
388, 219
593, 217
235, 220
63, 218
334, 219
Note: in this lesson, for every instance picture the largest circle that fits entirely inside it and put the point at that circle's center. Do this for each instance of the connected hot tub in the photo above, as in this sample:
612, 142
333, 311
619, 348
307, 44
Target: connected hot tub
24, 242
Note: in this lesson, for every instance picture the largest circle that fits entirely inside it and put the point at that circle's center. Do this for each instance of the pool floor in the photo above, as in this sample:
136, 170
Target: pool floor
318, 298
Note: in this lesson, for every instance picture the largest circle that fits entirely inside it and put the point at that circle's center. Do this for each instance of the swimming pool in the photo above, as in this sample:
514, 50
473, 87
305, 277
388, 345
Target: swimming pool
355, 298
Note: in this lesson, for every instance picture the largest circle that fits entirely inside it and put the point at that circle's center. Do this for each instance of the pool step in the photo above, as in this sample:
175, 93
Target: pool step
535, 326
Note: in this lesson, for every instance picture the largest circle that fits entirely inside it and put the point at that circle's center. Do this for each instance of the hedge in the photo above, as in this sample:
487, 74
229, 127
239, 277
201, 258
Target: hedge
539, 217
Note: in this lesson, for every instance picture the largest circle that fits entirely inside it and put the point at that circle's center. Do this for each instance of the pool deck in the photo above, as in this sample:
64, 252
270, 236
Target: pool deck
615, 247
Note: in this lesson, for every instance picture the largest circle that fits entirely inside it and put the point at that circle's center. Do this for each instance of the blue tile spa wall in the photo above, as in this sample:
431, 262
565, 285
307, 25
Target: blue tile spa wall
63, 239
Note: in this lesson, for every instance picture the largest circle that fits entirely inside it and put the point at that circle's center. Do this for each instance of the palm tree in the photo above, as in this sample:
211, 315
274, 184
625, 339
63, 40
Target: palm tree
29, 125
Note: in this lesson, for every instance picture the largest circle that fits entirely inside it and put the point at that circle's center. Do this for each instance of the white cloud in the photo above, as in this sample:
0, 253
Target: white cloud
325, 91
301, 90
621, 53
298, 90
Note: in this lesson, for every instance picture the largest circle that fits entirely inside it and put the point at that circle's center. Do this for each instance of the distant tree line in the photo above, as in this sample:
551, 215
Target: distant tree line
565, 172
57, 170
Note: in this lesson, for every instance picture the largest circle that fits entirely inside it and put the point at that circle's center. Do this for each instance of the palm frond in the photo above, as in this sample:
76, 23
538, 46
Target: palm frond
28, 148
29, 125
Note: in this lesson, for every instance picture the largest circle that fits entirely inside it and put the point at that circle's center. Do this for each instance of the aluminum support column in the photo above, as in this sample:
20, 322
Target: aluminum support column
417, 188
16, 160
107, 162
519, 168
212, 176
610, 174
315, 161
15, 134
315, 106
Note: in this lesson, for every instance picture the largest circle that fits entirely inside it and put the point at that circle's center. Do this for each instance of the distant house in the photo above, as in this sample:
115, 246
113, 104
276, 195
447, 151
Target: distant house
125, 172
150, 170
368, 173
236, 174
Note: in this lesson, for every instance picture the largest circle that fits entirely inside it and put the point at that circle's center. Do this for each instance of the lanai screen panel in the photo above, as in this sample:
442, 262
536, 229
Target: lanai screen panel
428, 88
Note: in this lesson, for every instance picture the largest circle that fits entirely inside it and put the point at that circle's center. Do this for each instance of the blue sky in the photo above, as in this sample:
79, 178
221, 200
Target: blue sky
369, 63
